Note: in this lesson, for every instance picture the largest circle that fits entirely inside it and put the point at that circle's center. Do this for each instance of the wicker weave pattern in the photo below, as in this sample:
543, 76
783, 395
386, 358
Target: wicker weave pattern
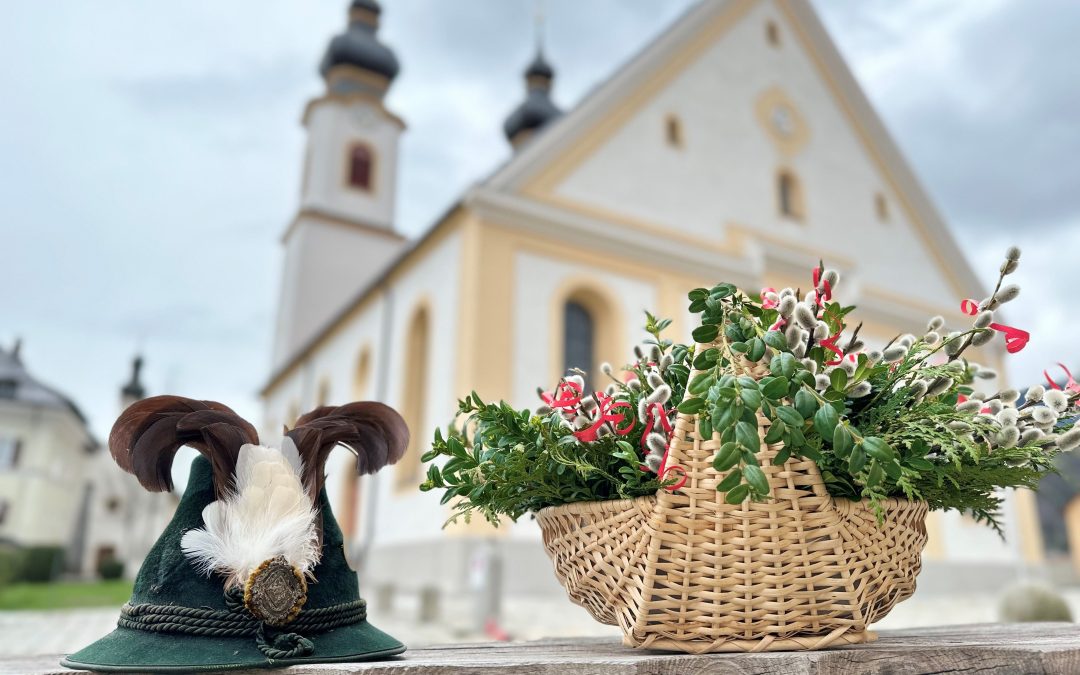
686, 571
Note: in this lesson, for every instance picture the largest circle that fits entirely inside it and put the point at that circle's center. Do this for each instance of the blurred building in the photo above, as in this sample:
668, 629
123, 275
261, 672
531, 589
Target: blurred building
59, 487
736, 146
46, 451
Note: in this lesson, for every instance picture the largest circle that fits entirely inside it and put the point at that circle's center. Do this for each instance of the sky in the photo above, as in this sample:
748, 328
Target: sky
150, 156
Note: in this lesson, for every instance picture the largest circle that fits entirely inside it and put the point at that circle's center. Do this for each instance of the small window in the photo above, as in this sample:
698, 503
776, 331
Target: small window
579, 337
881, 206
8, 388
3, 511
789, 195
772, 33
673, 128
360, 165
10, 449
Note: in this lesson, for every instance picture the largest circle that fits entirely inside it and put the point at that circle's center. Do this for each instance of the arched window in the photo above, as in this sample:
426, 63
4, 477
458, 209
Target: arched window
579, 337
789, 195
361, 163
413, 407
323, 396
772, 33
673, 128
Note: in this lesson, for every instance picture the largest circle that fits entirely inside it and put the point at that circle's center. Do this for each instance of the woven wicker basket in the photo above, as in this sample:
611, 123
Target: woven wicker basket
686, 571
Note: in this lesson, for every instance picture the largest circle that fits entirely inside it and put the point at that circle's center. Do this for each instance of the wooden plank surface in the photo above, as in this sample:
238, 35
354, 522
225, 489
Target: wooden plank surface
989, 648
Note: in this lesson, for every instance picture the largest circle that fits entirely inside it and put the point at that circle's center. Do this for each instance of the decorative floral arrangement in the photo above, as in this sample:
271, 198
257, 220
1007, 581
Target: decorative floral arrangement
908, 420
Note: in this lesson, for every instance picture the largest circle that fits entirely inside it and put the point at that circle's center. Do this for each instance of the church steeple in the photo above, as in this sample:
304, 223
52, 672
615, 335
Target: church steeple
355, 61
134, 390
537, 109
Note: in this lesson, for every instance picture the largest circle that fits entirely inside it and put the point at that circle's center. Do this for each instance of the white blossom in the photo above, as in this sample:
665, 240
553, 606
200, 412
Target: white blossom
970, 405
1030, 435
1056, 399
874, 355
1007, 293
1012, 253
1009, 396
986, 374
981, 337
661, 395
1035, 393
984, 319
787, 306
1044, 415
932, 338
936, 323
895, 353
859, 390
805, 316
1008, 437
953, 343
1069, 440
1008, 417
822, 382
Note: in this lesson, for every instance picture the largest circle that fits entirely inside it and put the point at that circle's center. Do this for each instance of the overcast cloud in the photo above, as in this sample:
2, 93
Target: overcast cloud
150, 155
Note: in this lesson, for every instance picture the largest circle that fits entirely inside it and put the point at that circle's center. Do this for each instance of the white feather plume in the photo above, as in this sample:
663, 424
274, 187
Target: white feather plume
268, 515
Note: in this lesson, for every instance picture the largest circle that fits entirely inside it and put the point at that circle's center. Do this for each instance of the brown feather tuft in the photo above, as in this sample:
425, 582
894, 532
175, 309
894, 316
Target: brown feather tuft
375, 432
147, 435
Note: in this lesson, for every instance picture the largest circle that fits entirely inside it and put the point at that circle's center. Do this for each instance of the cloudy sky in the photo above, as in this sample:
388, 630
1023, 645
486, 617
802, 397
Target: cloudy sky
150, 155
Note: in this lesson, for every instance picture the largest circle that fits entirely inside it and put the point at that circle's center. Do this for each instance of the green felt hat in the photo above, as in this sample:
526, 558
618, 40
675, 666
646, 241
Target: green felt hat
179, 620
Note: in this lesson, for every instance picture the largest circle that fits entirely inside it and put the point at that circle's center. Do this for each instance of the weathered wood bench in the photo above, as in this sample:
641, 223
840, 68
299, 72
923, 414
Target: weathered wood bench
989, 648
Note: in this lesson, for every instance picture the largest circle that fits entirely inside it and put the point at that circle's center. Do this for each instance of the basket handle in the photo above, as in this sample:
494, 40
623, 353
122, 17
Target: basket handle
695, 455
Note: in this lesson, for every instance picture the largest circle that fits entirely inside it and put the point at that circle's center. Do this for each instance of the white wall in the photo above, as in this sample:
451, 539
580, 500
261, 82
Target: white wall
726, 171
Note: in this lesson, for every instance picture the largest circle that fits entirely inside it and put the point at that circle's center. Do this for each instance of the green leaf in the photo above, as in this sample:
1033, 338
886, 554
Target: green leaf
825, 420
757, 479
841, 441
751, 398
704, 428
740, 347
730, 481
724, 417
892, 470
737, 494
698, 294
726, 457
776, 340
776, 431
806, 403
838, 378
857, 460
775, 389
788, 364
790, 416
705, 334
919, 464
747, 436
701, 382
691, 406
757, 350
781, 457
879, 450
876, 474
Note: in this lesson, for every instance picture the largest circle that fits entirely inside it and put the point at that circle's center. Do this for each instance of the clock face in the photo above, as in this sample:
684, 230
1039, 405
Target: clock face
783, 120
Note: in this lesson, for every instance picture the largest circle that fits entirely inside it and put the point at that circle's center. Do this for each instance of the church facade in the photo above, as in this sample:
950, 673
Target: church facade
737, 146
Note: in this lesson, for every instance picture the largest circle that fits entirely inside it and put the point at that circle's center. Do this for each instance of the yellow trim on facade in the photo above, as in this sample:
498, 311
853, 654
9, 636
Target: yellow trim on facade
415, 369
448, 225
609, 326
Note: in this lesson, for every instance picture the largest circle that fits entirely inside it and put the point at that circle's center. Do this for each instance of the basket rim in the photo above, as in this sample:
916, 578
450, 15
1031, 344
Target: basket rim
610, 505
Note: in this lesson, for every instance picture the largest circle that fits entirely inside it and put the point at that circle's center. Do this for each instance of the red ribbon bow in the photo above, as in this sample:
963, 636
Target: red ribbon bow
1015, 338
1070, 385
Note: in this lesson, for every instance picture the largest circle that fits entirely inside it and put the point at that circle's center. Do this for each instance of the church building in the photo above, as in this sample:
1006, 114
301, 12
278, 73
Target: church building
737, 146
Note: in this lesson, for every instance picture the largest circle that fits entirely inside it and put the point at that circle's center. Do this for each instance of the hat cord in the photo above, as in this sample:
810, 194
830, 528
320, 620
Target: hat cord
236, 621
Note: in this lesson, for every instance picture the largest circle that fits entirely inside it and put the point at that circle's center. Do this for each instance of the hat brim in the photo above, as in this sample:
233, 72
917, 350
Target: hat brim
126, 650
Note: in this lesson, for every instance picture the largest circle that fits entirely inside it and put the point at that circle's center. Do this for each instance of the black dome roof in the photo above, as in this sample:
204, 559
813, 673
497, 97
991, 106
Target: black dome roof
358, 46
537, 109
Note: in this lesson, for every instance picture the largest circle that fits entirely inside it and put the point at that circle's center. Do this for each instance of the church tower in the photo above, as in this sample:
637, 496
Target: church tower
343, 234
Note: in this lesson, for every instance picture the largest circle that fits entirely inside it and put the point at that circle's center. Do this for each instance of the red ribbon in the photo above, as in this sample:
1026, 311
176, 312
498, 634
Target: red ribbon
664, 469
1071, 385
826, 293
605, 414
765, 302
567, 395
1015, 338
830, 344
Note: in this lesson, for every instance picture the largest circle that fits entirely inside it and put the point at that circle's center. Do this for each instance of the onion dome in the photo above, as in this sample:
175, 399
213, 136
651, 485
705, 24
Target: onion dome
537, 109
134, 389
355, 61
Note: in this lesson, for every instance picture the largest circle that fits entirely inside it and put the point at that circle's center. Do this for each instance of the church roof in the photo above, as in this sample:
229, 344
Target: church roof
565, 128
18, 385
359, 46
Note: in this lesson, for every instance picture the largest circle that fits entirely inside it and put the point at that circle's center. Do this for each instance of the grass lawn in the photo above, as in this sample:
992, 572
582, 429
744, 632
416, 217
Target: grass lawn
62, 595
